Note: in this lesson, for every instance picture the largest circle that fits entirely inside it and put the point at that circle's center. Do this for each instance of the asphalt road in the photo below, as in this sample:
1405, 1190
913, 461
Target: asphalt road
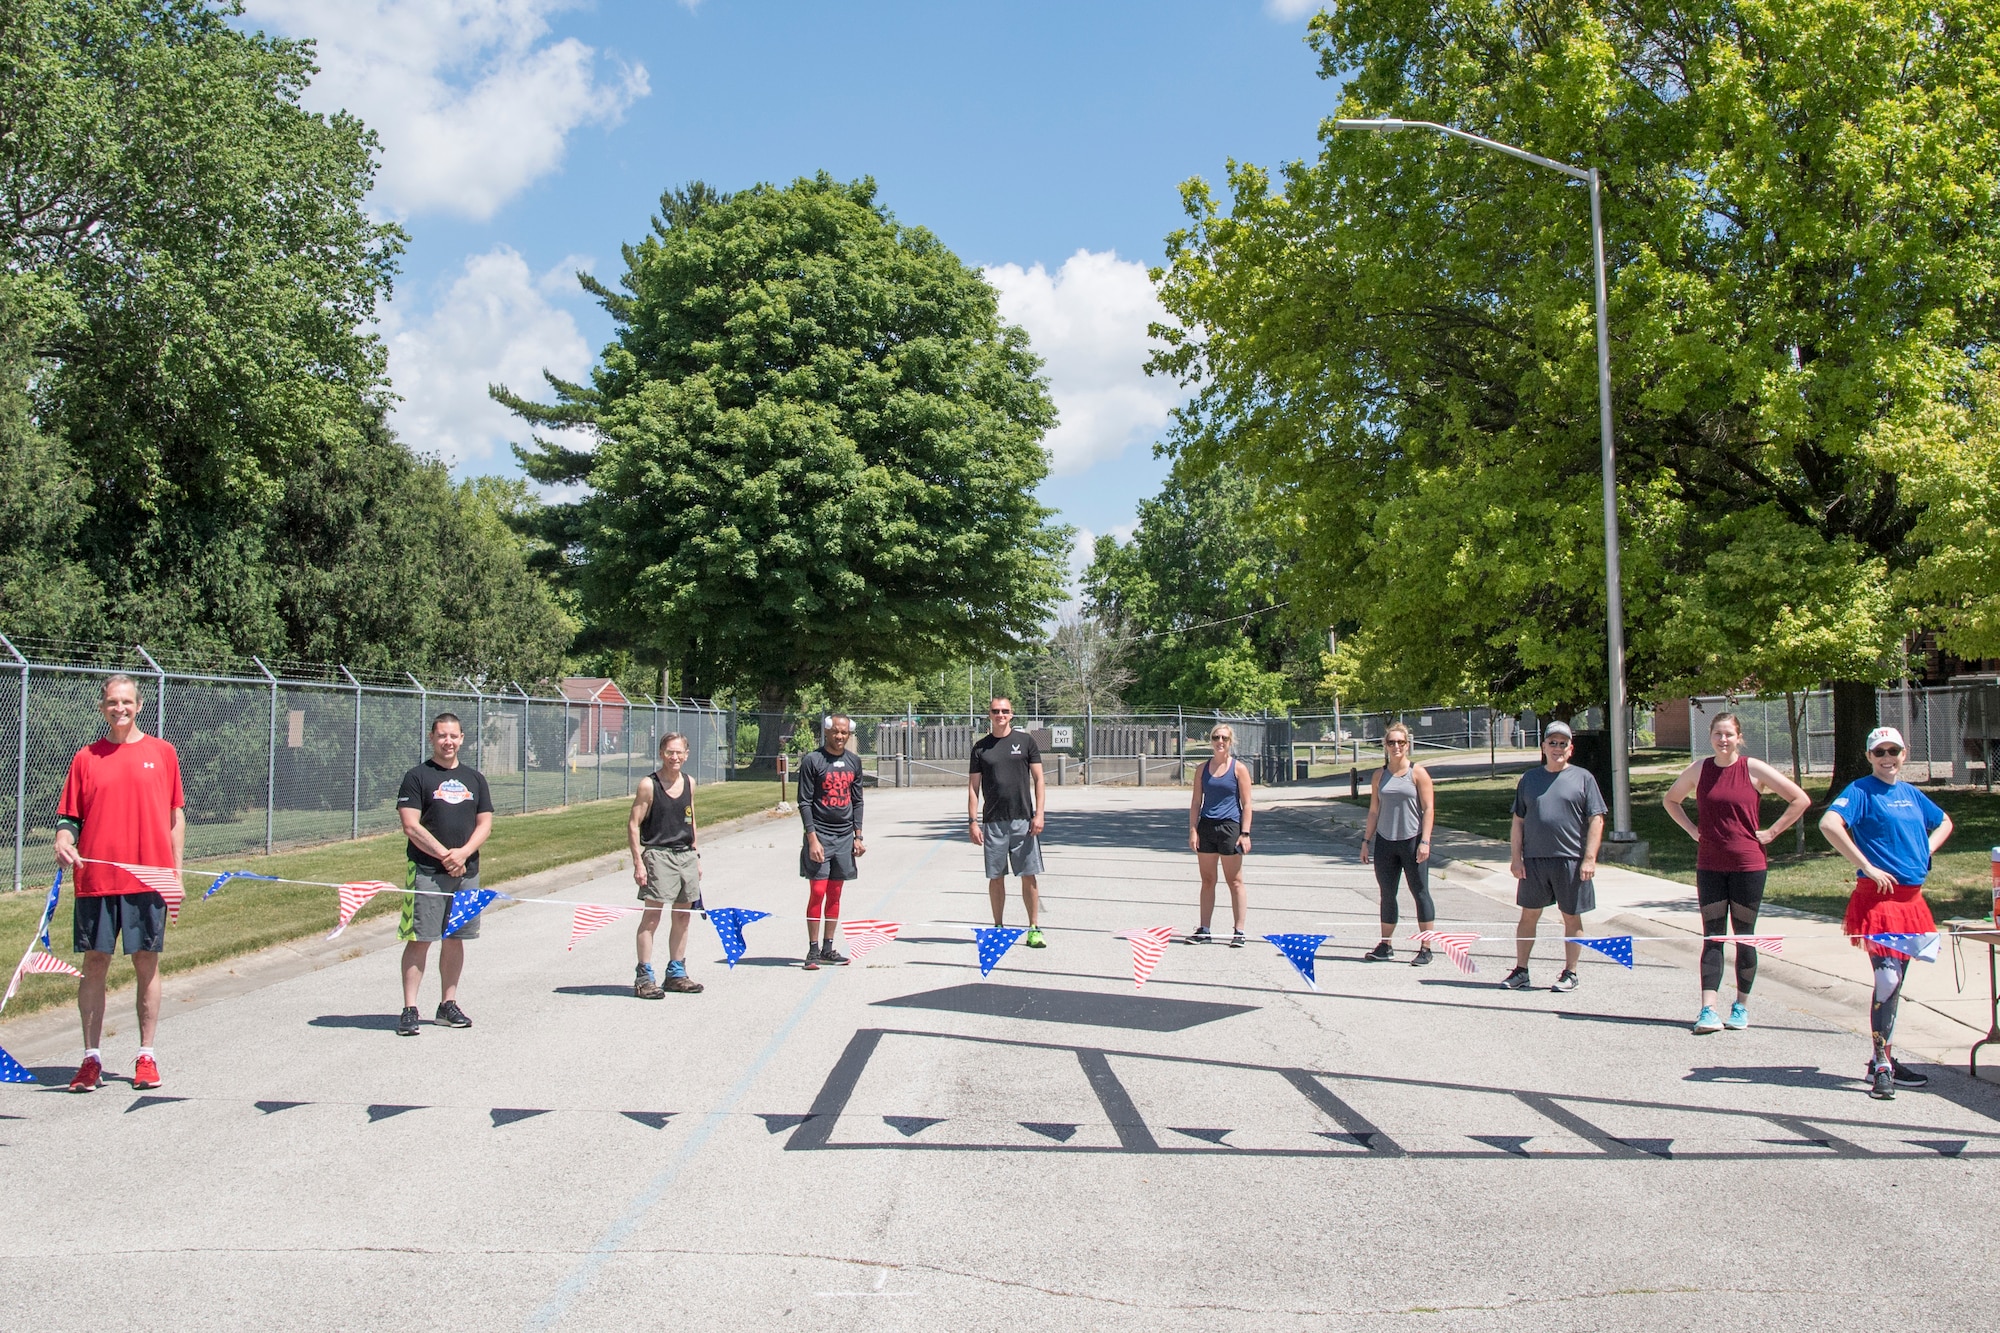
902, 1145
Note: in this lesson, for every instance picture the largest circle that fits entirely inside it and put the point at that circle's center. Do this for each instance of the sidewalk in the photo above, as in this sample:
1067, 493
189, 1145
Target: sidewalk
1939, 1020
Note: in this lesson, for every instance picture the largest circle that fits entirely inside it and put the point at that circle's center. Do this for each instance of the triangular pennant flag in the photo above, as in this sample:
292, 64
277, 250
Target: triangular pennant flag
49, 907
1457, 946
163, 880
465, 905
354, 897
1300, 951
1771, 944
1922, 947
729, 923
48, 962
865, 937
594, 916
12, 1070
993, 941
1618, 948
228, 875
1148, 946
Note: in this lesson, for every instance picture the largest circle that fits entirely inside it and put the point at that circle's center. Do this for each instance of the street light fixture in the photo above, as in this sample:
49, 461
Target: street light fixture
1614, 602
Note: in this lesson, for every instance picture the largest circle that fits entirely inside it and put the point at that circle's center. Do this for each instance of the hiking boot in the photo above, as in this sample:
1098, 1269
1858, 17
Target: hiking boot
1423, 958
645, 986
1516, 980
89, 1075
1383, 952
408, 1024
451, 1016
680, 984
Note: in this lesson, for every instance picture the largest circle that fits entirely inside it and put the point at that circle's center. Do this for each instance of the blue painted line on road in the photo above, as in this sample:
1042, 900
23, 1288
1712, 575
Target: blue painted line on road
619, 1232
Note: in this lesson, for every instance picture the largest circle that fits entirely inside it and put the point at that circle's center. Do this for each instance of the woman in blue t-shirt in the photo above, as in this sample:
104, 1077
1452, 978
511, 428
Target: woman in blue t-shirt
1890, 831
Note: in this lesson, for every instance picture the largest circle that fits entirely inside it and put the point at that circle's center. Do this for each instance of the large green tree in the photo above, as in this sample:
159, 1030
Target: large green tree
1195, 592
1397, 338
192, 447
813, 444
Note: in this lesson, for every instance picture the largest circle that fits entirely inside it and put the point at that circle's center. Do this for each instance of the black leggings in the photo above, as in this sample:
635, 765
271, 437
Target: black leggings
1729, 902
1399, 859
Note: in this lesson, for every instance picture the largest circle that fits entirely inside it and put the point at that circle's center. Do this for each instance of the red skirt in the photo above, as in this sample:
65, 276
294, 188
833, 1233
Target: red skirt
1872, 912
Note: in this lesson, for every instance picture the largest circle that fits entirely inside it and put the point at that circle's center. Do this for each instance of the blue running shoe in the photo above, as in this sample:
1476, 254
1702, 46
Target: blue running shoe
1706, 1022
1739, 1017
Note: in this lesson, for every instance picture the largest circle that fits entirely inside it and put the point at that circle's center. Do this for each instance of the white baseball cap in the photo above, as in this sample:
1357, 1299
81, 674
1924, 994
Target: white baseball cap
1885, 736
1558, 729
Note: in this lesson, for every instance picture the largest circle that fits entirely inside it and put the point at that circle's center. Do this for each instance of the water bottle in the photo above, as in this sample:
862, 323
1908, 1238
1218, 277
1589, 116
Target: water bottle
1996, 886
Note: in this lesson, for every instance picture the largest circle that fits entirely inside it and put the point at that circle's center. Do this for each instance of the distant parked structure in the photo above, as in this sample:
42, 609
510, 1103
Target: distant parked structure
602, 724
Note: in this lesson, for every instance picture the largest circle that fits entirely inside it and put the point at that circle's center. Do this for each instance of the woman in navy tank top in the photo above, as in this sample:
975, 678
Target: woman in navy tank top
1219, 829
1729, 864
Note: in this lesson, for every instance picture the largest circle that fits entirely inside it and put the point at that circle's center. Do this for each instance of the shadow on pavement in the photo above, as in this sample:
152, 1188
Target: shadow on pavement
1133, 1013
366, 1022
625, 990
1780, 1076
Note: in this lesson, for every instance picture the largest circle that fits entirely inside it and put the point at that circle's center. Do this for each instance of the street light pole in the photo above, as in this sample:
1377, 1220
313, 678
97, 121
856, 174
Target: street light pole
1614, 599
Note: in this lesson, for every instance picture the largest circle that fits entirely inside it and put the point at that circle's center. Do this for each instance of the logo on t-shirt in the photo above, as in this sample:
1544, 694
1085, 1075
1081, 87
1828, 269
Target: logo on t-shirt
453, 792
1842, 801
1014, 750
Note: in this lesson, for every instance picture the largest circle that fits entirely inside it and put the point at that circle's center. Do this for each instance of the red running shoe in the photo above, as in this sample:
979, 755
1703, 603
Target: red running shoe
88, 1077
146, 1073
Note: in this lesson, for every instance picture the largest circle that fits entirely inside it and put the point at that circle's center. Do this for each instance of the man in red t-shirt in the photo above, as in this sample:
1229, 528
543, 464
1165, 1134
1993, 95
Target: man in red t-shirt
122, 802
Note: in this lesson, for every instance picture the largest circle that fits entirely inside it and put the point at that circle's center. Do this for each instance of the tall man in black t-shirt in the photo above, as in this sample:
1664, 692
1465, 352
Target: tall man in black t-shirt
830, 808
1004, 800
447, 812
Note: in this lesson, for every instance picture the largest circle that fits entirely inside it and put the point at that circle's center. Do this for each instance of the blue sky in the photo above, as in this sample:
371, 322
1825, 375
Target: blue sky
524, 139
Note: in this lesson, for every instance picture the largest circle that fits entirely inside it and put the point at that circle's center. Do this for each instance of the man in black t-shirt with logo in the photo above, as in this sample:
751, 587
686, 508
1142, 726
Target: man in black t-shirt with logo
447, 812
830, 808
1003, 810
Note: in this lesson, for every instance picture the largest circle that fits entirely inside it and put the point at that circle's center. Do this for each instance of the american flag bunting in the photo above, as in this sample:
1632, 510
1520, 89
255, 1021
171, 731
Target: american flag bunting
1148, 947
1457, 946
590, 917
162, 880
865, 937
355, 896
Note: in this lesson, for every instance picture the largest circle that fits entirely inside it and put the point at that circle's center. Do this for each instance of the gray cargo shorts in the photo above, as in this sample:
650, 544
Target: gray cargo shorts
1009, 843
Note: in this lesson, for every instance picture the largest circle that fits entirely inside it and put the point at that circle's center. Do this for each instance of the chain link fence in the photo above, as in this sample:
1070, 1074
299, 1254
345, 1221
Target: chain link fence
1950, 730
276, 758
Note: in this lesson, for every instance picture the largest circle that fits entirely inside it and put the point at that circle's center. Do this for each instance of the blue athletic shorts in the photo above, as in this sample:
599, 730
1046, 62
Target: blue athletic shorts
139, 919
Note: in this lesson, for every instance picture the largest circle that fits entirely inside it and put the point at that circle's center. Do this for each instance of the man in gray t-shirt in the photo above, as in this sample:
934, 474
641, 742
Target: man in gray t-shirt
1558, 823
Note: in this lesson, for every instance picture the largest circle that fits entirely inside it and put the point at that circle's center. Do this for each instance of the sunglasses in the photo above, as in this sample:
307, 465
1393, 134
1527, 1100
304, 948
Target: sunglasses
1887, 751
1001, 712
1398, 743
1559, 742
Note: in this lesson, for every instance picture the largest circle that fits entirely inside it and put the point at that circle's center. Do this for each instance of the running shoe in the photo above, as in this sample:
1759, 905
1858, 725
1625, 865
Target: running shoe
408, 1024
1238, 940
1201, 936
832, 956
89, 1075
812, 958
146, 1072
1739, 1017
1034, 940
1882, 1083
451, 1016
1381, 953
1566, 980
1423, 958
681, 984
1905, 1076
1707, 1021
1516, 980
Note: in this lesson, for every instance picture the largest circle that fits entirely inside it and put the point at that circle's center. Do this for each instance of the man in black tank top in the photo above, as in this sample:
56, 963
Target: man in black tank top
664, 866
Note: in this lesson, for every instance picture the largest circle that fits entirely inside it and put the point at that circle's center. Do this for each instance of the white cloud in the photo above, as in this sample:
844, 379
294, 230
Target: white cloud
472, 99
1088, 322
1292, 9
496, 324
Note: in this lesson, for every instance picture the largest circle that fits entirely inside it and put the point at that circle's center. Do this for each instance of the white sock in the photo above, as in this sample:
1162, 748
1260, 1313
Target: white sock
145, 1050
92, 1053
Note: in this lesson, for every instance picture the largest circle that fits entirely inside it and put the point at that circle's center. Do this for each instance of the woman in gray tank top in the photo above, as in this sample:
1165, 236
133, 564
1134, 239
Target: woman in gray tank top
1401, 807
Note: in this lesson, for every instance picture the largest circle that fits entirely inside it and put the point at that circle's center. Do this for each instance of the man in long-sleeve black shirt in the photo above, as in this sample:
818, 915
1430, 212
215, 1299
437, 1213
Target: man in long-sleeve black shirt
830, 809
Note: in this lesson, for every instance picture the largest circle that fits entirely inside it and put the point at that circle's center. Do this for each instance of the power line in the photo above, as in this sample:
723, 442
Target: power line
1208, 624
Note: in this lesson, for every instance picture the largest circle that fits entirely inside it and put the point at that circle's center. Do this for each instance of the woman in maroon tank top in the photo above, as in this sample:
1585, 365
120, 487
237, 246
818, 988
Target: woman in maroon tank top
1729, 865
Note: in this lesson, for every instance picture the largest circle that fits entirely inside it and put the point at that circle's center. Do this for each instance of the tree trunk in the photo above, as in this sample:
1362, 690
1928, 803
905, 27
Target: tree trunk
1854, 716
772, 720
